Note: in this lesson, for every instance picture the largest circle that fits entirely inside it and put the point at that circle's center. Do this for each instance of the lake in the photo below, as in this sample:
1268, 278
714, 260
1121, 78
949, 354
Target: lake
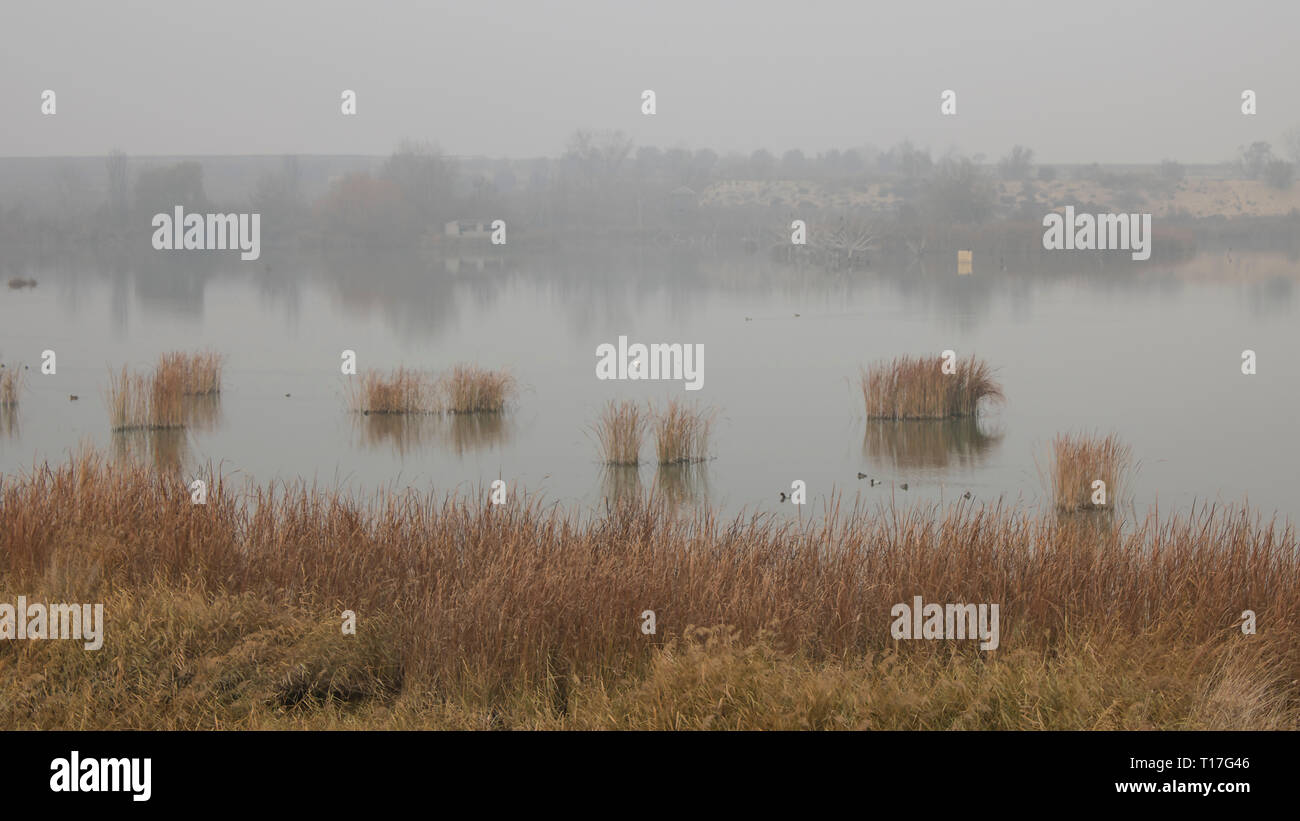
1149, 351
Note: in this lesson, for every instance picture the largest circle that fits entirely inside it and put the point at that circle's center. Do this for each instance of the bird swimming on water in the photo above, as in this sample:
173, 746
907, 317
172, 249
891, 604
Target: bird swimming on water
861, 475
903, 486
783, 496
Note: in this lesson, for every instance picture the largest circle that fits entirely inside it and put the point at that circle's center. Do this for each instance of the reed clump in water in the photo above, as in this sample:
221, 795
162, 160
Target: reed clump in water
198, 374
153, 401
403, 390
10, 387
524, 615
619, 431
917, 388
682, 433
1079, 460
471, 389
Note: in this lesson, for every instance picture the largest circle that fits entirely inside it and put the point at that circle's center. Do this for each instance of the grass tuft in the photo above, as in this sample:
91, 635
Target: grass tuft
682, 433
197, 374
400, 391
10, 387
917, 388
471, 389
619, 431
1077, 461
152, 401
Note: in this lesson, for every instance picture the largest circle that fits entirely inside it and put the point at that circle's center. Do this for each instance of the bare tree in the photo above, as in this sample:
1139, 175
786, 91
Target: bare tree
1291, 143
1016, 165
598, 155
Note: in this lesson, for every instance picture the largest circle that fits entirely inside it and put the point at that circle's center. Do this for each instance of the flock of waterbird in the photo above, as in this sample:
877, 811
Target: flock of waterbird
872, 482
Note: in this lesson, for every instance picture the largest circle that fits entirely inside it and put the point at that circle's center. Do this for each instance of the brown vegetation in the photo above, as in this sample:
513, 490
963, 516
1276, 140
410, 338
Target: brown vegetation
682, 433
465, 389
152, 401
1079, 460
198, 374
471, 389
9, 387
472, 615
619, 432
917, 388
400, 391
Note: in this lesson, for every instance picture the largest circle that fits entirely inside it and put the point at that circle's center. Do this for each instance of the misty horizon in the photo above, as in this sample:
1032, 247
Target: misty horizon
259, 81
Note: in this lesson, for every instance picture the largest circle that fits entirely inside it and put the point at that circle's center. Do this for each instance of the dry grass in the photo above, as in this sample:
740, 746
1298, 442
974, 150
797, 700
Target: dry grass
471, 389
619, 431
465, 389
146, 401
400, 391
10, 386
917, 388
682, 433
198, 374
1077, 461
473, 615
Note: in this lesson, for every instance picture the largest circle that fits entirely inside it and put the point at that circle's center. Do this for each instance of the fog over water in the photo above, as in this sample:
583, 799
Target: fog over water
1085, 352
1109, 81
673, 228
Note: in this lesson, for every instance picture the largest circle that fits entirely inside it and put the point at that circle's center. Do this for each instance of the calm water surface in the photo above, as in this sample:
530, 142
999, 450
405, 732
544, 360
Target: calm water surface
1150, 353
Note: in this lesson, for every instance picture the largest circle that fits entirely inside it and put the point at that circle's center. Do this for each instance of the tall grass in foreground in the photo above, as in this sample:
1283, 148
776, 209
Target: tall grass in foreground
1077, 461
399, 391
619, 431
917, 388
682, 433
153, 401
471, 389
524, 615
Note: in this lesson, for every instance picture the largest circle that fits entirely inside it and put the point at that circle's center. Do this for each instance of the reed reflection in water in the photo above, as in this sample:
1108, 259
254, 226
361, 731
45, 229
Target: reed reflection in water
460, 433
167, 449
928, 443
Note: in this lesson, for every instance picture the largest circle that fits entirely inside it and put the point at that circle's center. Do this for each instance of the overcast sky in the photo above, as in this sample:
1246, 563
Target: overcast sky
1076, 81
